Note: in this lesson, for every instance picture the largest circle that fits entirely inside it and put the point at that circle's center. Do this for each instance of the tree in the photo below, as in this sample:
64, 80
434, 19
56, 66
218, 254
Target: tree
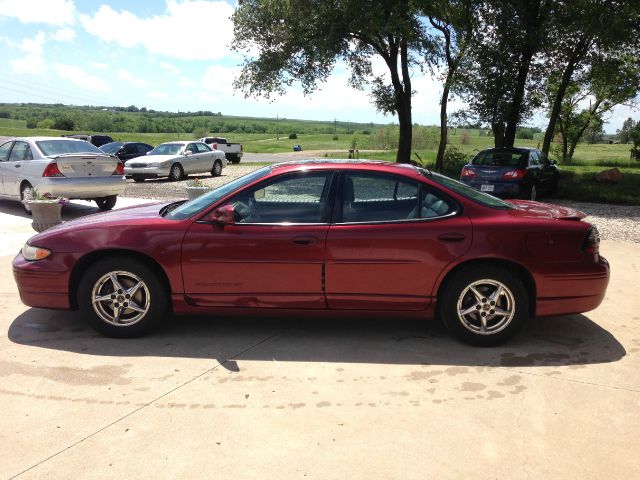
299, 40
624, 133
455, 20
502, 80
583, 33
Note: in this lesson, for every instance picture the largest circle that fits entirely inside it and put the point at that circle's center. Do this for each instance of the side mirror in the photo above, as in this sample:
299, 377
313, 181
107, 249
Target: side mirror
187, 153
223, 215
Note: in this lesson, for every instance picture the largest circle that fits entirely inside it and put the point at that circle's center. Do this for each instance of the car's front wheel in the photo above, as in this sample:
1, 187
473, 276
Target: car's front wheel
176, 173
484, 305
216, 171
122, 297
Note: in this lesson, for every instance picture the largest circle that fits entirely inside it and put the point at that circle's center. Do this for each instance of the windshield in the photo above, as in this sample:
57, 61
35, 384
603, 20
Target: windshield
196, 205
112, 147
60, 147
496, 158
466, 191
167, 149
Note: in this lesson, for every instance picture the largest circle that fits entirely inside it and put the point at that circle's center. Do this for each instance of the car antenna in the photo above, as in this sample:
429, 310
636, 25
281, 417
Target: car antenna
426, 166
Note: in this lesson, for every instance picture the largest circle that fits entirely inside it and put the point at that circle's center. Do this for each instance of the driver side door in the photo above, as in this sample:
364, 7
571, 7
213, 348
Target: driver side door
272, 256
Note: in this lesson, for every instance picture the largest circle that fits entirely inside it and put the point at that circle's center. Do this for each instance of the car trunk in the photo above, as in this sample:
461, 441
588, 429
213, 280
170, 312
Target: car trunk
86, 165
489, 172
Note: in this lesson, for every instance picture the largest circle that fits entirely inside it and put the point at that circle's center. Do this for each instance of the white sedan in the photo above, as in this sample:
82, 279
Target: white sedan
60, 167
176, 160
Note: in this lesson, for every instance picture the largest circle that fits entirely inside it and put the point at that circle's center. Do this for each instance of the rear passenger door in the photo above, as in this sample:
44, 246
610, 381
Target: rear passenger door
17, 168
391, 238
5, 150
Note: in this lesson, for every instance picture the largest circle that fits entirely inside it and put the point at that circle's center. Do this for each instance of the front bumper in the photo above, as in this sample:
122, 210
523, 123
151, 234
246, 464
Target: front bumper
147, 172
82, 188
42, 284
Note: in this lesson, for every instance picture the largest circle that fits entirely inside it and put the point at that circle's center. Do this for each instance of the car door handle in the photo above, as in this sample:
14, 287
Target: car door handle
305, 240
17, 166
451, 237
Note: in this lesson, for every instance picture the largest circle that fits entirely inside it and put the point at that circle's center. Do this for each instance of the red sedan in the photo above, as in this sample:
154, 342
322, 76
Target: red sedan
321, 237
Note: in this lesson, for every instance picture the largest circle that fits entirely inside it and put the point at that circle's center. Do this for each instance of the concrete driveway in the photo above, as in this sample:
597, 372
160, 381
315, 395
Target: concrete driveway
276, 399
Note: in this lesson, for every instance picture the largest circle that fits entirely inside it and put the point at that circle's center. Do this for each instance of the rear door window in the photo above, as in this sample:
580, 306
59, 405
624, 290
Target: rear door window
5, 148
21, 151
202, 148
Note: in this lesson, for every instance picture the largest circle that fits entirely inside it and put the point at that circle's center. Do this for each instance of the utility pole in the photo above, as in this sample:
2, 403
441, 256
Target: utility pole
335, 123
277, 134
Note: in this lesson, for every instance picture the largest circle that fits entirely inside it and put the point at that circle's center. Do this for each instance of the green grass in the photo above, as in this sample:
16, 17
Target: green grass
579, 183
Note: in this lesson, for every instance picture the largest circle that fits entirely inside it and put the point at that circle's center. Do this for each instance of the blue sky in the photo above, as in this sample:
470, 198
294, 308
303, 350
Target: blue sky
167, 55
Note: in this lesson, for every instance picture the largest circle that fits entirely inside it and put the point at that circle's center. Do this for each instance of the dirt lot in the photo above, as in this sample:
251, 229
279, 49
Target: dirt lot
299, 398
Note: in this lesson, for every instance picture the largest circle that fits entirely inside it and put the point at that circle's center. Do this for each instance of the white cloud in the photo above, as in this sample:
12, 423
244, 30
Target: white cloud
100, 66
186, 82
33, 45
31, 64
169, 67
81, 78
159, 95
125, 75
51, 12
189, 29
63, 35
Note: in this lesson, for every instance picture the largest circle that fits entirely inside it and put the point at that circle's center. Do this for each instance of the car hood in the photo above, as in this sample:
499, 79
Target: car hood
529, 209
152, 159
109, 223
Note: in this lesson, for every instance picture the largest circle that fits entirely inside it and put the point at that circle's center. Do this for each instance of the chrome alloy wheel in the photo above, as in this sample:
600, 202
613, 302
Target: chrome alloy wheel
120, 298
486, 307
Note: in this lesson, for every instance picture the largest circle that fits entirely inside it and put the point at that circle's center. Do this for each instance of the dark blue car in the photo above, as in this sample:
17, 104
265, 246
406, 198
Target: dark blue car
511, 173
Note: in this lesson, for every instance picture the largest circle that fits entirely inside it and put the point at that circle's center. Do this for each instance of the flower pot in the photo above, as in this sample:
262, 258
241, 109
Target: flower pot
195, 192
45, 214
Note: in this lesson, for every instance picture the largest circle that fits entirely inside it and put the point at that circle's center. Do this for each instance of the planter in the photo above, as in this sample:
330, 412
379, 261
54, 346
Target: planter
45, 214
195, 192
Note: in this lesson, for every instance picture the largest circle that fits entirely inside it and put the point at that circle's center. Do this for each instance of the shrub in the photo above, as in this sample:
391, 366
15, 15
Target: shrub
453, 162
32, 123
63, 123
293, 136
200, 132
465, 138
335, 137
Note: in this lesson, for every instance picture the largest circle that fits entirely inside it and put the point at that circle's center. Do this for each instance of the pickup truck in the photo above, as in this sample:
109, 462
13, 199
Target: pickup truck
233, 151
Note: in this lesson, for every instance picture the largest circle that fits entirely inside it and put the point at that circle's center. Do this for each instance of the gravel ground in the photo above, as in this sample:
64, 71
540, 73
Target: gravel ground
615, 222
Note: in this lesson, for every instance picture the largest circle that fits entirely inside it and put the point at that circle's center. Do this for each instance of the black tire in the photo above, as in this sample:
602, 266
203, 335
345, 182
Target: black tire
176, 173
458, 297
152, 297
138, 179
106, 203
24, 193
234, 160
216, 171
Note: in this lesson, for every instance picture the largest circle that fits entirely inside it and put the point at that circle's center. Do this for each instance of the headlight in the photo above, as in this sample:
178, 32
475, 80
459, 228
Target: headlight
154, 165
34, 253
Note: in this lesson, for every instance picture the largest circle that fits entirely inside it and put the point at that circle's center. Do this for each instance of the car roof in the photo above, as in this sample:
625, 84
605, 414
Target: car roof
37, 139
179, 142
339, 163
508, 149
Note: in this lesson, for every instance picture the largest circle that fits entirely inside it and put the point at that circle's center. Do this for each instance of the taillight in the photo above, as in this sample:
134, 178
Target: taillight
514, 174
52, 170
119, 169
468, 173
591, 243
215, 146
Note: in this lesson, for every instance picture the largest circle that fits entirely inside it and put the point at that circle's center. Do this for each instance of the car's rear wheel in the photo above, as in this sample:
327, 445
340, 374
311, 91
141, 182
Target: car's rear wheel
484, 305
26, 193
122, 297
176, 173
216, 171
138, 179
106, 203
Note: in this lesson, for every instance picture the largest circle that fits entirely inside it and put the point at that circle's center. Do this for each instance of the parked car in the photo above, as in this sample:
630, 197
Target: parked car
512, 173
322, 237
97, 140
126, 150
62, 167
233, 151
297, 148
176, 160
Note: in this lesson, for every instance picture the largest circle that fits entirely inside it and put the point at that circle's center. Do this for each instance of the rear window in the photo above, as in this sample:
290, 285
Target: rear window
111, 147
60, 147
500, 159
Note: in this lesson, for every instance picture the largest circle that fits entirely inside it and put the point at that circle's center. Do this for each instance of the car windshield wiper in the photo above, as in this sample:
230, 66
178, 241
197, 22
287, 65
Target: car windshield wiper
167, 208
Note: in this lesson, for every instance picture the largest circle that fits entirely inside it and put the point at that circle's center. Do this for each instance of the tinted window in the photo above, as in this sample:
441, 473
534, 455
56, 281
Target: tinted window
378, 198
111, 148
143, 148
533, 158
498, 158
300, 198
466, 191
129, 149
202, 148
5, 148
60, 147
21, 151
191, 148
196, 205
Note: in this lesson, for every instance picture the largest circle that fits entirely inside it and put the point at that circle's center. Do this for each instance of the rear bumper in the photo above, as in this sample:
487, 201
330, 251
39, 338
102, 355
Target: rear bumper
573, 292
42, 284
82, 188
500, 188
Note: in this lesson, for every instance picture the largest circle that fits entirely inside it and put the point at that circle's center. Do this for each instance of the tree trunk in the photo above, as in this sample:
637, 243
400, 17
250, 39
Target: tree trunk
403, 105
443, 123
498, 134
515, 109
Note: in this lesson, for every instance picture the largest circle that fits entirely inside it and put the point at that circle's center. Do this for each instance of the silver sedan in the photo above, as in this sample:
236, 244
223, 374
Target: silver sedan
60, 167
176, 160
